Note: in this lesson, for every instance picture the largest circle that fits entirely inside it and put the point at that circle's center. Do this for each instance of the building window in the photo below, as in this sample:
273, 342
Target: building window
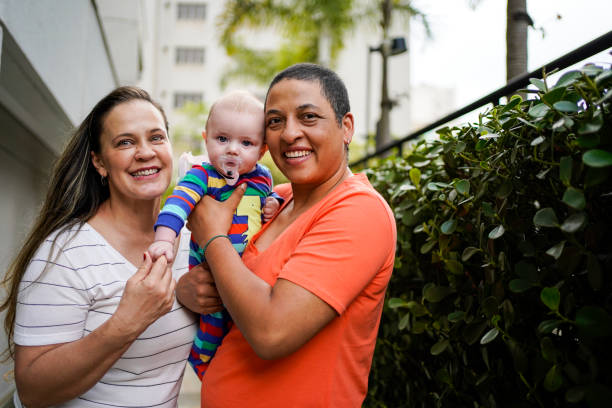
181, 98
189, 55
191, 11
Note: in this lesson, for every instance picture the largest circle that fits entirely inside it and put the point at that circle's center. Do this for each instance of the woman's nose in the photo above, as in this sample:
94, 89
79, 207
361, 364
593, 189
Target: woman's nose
144, 152
291, 131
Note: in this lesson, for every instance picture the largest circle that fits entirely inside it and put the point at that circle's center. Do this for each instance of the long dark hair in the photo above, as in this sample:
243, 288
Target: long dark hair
74, 195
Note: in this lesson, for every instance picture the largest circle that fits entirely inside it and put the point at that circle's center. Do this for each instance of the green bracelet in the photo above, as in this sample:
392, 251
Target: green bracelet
212, 239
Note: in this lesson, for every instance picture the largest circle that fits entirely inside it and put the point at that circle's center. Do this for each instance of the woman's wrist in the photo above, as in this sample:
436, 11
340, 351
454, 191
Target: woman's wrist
212, 239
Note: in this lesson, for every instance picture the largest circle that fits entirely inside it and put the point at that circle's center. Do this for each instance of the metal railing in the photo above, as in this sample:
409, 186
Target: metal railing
589, 49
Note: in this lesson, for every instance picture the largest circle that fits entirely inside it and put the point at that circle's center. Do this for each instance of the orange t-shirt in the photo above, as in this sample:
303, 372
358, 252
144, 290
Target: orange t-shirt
342, 250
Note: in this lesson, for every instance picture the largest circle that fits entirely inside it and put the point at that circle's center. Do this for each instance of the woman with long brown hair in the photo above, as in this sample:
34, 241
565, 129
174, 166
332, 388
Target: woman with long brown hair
91, 320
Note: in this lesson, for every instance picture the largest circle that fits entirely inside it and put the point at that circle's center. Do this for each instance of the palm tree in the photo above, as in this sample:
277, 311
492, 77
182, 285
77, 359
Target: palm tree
517, 22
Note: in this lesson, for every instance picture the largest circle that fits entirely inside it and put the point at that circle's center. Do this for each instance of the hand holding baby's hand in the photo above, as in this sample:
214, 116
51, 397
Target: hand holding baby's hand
159, 248
270, 208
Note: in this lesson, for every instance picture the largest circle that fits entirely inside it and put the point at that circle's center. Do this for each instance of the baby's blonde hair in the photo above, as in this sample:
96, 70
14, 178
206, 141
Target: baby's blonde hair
240, 101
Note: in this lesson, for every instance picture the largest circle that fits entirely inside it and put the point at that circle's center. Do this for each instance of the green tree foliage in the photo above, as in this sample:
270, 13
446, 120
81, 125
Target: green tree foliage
302, 24
501, 292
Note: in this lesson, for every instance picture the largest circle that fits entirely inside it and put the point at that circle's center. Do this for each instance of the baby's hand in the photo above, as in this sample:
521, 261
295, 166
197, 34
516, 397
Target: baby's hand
270, 208
159, 248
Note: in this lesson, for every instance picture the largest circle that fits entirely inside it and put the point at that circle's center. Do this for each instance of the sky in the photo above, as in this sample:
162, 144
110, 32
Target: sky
467, 51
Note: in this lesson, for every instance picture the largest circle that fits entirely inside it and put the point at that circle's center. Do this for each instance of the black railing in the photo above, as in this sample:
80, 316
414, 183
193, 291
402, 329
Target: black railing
580, 54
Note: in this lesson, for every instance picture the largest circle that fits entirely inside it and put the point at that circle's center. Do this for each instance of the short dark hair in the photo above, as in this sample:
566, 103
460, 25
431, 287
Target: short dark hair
332, 87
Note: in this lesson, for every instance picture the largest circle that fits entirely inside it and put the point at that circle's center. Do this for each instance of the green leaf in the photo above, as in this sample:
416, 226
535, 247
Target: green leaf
594, 321
575, 394
589, 141
504, 190
519, 285
404, 322
538, 111
547, 326
489, 336
439, 347
549, 352
415, 176
566, 106
463, 187
514, 101
551, 297
553, 380
488, 210
596, 175
456, 316
480, 145
557, 250
473, 331
553, 96
545, 218
449, 226
497, 232
460, 146
468, 252
541, 85
434, 294
565, 169
574, 222
568, 78
454, 267
592, 126
394, 303
574, 198
597, 158
427, 246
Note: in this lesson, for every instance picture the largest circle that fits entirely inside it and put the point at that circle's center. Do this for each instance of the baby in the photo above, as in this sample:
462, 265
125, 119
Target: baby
235, 142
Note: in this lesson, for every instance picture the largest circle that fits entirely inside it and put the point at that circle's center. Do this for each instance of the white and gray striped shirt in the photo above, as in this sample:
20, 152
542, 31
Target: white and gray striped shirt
70, 290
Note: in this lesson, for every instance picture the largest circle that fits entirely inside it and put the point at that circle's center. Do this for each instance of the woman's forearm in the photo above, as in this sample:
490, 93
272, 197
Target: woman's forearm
275, 320
48, 375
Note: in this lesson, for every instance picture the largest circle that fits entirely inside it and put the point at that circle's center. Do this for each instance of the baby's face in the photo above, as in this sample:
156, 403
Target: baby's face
234, 141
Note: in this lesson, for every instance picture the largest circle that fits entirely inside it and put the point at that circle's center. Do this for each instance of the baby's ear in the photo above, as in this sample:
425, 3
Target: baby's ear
264, 149
204, 134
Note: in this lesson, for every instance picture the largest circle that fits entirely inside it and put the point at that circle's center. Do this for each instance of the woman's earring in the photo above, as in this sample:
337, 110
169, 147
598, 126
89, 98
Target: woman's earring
103, 180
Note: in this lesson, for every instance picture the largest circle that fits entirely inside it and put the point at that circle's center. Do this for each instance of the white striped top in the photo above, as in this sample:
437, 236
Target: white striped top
77, 292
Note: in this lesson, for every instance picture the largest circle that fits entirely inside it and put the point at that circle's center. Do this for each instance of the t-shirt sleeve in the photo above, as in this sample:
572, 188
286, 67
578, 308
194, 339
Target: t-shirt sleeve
187, 193
346, 246
53, 300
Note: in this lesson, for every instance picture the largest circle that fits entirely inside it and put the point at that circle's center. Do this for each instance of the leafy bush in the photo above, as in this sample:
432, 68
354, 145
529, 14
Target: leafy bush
502, 291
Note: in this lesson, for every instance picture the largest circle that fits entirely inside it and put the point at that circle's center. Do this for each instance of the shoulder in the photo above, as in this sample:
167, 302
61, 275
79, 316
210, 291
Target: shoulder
361, 209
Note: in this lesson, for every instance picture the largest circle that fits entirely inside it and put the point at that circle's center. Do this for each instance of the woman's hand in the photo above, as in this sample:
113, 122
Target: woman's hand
211, 217
197, 292
148, 295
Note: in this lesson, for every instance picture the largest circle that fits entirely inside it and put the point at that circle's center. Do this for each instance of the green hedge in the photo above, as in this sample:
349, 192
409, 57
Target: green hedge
502, 291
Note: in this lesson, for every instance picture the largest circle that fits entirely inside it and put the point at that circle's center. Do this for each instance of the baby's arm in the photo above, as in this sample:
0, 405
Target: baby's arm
163, 244
270, 208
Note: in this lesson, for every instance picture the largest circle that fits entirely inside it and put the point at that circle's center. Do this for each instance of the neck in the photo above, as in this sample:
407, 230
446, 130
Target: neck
126, 215
304, 196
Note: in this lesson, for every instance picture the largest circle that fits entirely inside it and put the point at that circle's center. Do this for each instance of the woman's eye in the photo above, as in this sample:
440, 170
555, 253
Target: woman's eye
158, 138
273, 121
124, 142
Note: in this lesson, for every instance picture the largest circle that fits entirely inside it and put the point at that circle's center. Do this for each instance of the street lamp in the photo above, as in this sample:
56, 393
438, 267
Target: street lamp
393, 46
